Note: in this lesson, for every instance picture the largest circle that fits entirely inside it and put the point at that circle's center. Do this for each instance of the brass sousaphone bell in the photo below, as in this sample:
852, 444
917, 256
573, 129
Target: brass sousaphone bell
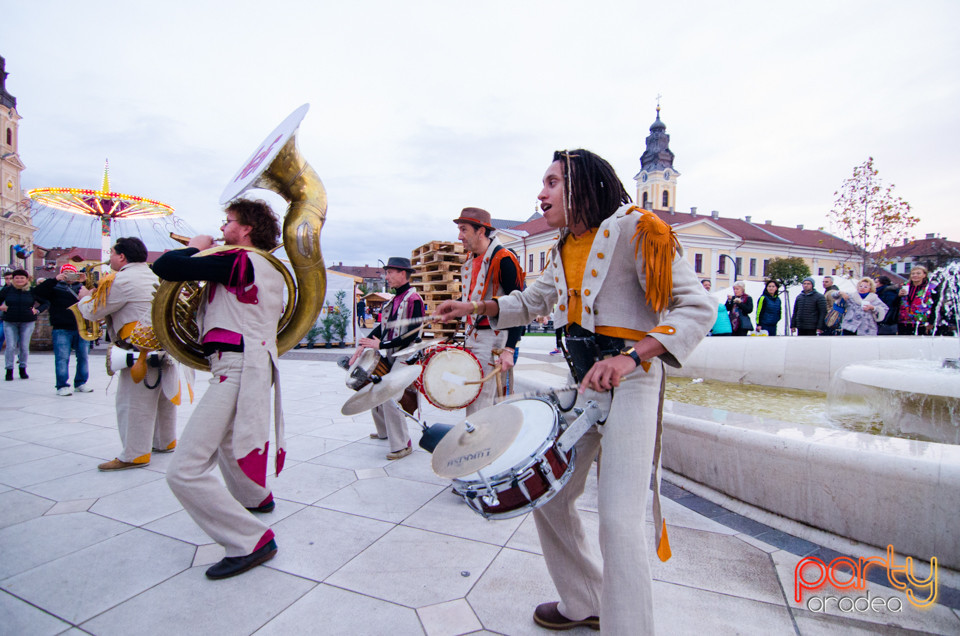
277, 166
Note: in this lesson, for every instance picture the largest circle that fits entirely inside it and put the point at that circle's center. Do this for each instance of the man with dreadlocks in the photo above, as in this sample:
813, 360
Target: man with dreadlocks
627, 302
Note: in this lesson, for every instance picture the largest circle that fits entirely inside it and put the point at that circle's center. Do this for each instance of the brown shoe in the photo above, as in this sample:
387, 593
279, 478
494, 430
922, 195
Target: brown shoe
400, 454
117, 464
547, 615
376, 436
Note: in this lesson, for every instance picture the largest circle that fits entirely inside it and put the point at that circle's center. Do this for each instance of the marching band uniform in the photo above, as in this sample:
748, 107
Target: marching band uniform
146, 418
494, 273
406, 303
240, 309
598, 281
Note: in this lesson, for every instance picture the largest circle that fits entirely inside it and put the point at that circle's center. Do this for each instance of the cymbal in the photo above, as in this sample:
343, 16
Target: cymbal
415, 348
374, 394
461, 452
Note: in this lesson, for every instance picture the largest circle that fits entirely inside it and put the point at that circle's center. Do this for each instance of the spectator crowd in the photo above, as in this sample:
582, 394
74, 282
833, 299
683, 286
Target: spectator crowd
878, 307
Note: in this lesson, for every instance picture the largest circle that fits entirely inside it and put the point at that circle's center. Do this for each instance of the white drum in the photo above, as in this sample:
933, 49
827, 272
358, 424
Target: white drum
446, 372
529, 474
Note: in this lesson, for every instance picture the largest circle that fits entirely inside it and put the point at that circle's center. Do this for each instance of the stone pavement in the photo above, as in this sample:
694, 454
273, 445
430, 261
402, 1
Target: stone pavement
367, 545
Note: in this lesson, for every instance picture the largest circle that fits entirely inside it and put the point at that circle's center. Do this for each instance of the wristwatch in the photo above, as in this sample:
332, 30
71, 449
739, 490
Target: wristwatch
632, 353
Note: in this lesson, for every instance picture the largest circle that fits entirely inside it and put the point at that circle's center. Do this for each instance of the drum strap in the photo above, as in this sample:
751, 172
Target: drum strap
660, 526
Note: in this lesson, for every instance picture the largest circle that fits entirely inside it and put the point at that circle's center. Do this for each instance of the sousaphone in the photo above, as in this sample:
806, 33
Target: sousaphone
276, 165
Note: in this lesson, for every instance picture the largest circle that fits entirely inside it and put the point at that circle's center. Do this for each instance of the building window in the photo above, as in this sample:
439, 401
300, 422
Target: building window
666, 199
698, 263
820, 271
833, 271
645, 199
739, 267
530, 268
753, 267
722, 265
766, 265
9, 137
906, 268
543, 260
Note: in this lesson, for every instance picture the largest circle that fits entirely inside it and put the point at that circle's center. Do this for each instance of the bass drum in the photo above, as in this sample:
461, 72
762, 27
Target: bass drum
446, 372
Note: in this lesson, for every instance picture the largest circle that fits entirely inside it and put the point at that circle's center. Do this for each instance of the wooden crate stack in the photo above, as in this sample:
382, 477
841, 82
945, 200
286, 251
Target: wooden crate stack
437, 278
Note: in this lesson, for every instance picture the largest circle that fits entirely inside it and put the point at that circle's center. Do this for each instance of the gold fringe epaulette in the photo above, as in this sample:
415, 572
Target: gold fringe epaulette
102, 291
660, 245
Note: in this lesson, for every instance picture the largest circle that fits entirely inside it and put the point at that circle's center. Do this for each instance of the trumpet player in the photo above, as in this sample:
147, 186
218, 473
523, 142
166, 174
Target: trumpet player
238, 317
62, 292
146, 419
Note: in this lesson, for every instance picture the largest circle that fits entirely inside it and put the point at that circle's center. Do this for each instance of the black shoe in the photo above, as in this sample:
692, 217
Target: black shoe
232, 566
23, 373
267, 507
9, 375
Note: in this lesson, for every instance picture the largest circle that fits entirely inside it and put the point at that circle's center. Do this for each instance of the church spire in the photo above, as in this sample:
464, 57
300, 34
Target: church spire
658, 154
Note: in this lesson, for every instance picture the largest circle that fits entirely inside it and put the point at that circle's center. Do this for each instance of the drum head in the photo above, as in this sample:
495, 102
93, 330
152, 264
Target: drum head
445, 375
539, 423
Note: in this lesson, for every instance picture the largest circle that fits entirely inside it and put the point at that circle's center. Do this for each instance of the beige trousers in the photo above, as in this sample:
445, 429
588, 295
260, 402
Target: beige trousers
392, 424
146, 419
618, 586
208, 440
481, 343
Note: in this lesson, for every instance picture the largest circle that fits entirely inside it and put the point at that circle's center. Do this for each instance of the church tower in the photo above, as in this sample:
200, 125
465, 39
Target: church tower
10, 165
16, 229
657, 179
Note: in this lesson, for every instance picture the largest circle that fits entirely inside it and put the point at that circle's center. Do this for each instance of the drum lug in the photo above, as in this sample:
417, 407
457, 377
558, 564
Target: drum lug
517, 483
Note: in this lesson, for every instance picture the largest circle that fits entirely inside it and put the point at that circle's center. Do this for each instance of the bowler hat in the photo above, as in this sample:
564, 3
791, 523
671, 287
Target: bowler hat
398, 262
475, 216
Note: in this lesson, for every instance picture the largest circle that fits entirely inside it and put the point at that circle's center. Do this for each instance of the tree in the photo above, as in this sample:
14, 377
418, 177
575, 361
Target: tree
789, 271
343, 315
870, 216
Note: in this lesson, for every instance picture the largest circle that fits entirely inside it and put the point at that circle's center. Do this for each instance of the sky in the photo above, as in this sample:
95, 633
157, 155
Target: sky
421, 108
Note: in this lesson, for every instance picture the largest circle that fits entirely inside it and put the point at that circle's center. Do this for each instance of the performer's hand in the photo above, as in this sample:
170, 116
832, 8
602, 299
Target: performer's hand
452, 309
506, 361
606, 374
369, 343
3, 307
35, 312
356, 354
82, 293
201, 242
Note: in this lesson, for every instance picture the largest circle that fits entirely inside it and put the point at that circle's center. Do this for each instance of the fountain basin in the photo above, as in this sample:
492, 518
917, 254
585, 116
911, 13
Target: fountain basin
873, 489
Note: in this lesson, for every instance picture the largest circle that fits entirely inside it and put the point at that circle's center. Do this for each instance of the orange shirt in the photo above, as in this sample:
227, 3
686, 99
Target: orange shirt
575, 252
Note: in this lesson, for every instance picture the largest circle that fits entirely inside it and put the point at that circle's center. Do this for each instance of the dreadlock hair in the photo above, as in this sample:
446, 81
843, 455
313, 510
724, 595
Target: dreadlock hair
592, 190
258, 215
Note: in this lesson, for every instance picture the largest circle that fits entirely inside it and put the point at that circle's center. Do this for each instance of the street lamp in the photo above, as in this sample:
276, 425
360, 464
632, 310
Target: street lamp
736, 270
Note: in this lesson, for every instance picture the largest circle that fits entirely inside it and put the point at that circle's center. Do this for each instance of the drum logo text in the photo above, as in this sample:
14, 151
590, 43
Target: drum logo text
468, 457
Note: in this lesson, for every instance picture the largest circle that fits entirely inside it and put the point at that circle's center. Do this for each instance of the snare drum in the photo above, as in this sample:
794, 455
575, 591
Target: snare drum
529, 474
369, 363
446, 370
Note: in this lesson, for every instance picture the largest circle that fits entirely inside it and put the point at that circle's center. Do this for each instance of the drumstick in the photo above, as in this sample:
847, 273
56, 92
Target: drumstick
541, 393
404, 322
452, 378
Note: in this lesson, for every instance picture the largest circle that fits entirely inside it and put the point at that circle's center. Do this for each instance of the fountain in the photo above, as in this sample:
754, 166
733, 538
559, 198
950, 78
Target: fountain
913, 398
